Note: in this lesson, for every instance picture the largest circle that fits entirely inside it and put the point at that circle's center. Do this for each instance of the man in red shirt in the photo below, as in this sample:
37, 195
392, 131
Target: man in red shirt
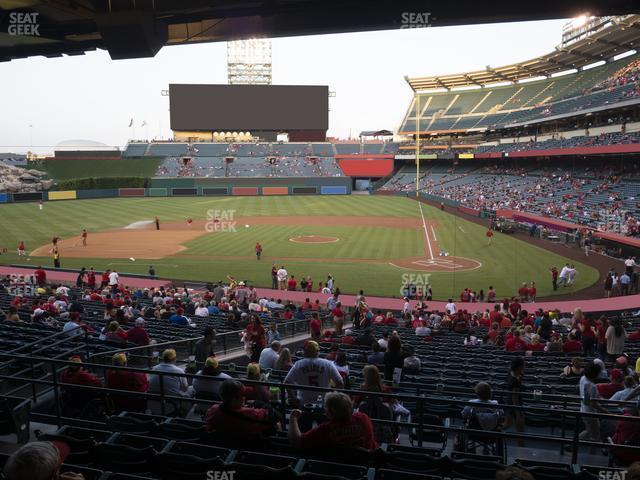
496, 315
138, 334
343, 428
489, 235
104, 281
41, 276
76, 375
515, 308
634, 336
516, 344
258, 251
315, 327
84, 237
606, 390
127, 380
232, 418
292, 283
523, 292
533, 291
572, 344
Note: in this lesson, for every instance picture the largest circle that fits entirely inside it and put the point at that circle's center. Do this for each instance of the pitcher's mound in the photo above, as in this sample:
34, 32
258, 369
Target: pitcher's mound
313, 239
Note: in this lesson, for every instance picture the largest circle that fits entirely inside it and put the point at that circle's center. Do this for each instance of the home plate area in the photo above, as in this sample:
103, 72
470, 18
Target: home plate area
437, 264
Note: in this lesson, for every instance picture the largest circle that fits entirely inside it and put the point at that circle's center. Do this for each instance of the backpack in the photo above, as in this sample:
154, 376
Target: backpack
376, 409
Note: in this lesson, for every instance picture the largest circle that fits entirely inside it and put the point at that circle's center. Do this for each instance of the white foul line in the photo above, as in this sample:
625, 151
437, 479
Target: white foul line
426, 232
434, 234
461, 229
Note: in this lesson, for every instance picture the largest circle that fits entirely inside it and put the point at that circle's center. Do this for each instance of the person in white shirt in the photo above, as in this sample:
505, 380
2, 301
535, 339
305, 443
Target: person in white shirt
384, 341
422, 330
564, 275
630, 262
62, 290
282, 278
269, 356
113, 279
175, 386
406, 307
330, 283
202, 310
209, 380
313, 371
451, 307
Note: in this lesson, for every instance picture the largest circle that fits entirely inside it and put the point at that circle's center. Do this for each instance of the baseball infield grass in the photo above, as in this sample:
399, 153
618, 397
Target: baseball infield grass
361, 258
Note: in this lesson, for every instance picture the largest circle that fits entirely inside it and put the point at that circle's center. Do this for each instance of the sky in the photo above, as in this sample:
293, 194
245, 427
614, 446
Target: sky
91, 97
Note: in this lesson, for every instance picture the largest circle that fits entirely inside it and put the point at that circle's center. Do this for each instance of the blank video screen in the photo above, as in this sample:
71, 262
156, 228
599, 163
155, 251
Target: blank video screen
242, 108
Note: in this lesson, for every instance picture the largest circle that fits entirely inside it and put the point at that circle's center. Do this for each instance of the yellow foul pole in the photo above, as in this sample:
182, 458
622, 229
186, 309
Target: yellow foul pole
417, 145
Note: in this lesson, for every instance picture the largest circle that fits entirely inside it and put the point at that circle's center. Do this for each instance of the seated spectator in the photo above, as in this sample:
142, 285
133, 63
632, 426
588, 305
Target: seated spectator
179, 319
572, 344
516, 344
258, 393
627, 433
411, 361
138, 334
536, 345
422, 330
174, 385
269, 356
73, 327
377, 355
233, 418
284, 362
342, 365
74, 374
312, 371
616, 379
204, 348
272, 333
115, 333
208, 381
343, 428
629, 384
126, 380
487, 418
39, 461
202, 310
574, 370
555, 345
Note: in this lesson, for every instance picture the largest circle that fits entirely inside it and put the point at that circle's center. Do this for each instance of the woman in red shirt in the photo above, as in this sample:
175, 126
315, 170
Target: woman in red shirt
338, 318
257, 337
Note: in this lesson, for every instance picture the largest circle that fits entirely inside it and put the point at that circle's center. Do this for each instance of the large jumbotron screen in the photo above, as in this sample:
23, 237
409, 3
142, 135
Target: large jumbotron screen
248, 107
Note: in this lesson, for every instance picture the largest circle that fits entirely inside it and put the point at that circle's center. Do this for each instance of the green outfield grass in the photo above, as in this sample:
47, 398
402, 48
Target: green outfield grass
505, 264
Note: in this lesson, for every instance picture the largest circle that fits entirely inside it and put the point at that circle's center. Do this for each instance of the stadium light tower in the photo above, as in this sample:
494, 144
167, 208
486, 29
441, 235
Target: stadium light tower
249, 62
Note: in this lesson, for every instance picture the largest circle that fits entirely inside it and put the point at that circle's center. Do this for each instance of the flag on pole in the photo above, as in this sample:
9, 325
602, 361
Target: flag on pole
131, 123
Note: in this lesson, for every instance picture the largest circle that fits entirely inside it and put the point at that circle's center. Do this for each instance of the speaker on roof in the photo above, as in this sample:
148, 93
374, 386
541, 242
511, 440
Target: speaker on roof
131, 34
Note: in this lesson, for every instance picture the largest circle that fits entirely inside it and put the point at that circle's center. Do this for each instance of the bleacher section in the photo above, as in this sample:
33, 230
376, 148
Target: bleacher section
497, 107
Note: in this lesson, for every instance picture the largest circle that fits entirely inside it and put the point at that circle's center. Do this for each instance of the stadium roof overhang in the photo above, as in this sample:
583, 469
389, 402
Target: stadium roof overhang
139, 28
623, 35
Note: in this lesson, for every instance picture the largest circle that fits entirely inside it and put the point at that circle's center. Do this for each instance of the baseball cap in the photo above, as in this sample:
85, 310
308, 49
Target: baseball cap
622, 360
139, 321
253, 369
638, 368
616, 374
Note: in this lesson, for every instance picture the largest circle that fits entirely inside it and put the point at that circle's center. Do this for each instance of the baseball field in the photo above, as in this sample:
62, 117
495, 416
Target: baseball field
374, 243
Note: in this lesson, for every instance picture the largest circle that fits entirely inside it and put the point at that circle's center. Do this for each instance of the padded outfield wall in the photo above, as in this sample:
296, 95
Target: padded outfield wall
186, 187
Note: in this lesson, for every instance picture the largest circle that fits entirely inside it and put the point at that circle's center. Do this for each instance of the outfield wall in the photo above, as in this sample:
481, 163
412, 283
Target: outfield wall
197, 187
